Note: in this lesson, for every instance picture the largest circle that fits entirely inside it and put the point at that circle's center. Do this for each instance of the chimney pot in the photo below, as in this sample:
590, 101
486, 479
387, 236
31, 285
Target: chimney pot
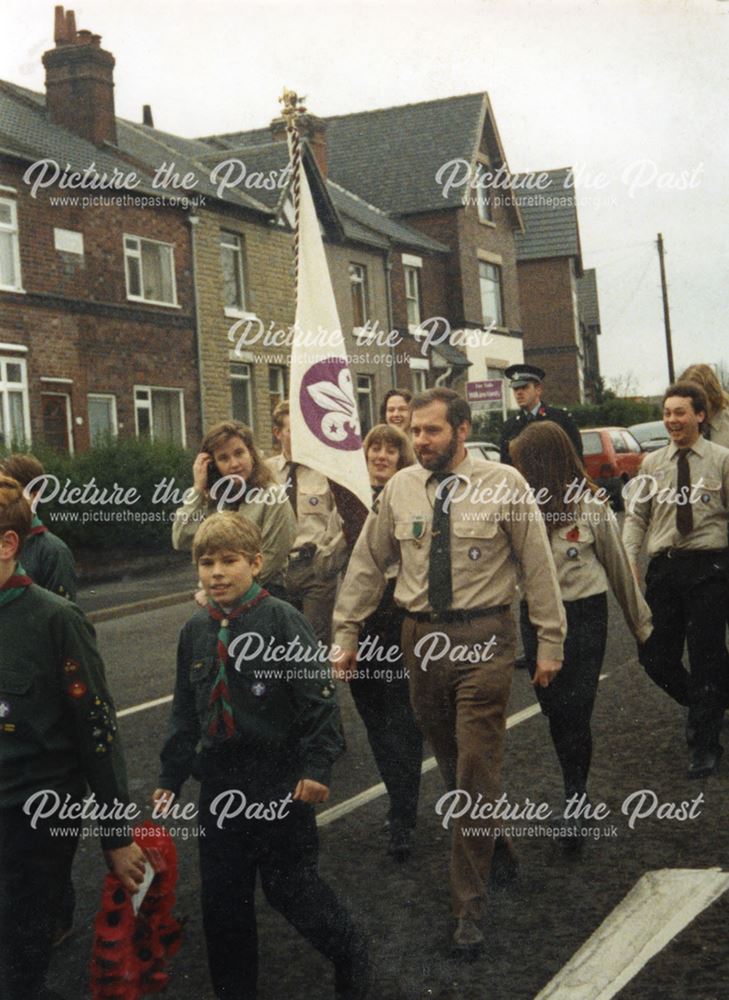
59, 27
84, 36
70, 26
147, 118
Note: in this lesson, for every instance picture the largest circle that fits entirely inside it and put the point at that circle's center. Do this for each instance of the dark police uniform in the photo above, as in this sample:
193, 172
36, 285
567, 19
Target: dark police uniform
286, 728
57, 732
48, 561
520, 375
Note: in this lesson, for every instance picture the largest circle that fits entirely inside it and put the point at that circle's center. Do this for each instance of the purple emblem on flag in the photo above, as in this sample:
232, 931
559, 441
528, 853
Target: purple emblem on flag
328, 405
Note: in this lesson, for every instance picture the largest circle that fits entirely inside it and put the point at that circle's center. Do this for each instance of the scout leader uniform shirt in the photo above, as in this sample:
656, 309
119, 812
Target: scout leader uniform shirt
284, 709
268, 510
494, 523
57, 721
650, 504
314, 501
588, 553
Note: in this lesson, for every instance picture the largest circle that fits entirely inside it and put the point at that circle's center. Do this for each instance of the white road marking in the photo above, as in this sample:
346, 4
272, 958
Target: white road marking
655, 910
144, 706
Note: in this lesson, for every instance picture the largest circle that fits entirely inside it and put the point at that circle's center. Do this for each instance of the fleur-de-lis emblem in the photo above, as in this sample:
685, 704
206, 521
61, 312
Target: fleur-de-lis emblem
338, 402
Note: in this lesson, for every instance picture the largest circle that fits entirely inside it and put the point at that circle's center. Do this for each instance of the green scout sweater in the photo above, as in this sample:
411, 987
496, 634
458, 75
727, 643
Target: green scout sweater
48, 562
57, 720
289, 721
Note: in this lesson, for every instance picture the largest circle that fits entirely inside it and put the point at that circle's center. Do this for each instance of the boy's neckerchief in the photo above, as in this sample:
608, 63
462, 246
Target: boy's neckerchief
36, 526
221, 724
14, 586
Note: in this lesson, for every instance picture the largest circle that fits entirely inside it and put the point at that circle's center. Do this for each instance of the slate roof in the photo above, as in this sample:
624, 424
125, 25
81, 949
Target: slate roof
391, 156
550, 218
587, 299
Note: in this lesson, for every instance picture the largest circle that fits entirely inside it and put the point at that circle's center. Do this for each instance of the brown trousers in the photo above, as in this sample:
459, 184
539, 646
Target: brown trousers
313, 597
461, 709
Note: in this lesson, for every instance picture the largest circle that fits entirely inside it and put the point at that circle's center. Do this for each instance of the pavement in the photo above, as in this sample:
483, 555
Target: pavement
532, 930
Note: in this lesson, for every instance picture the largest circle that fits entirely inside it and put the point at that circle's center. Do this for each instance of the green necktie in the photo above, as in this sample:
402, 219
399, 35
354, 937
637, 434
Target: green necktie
440, 581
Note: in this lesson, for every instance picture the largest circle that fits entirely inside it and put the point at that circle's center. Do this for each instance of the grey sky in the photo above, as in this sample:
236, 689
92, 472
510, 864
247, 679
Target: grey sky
608, 86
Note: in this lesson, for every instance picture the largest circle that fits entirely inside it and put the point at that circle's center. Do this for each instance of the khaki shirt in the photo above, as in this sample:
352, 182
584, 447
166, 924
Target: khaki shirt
718, 428
314, 500
268, 508
650, 501
588, 554
495, 526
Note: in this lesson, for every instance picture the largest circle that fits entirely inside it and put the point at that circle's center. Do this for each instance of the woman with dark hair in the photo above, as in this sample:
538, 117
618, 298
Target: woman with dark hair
716, 425
589, 556
229, 474
379, 688
395, 409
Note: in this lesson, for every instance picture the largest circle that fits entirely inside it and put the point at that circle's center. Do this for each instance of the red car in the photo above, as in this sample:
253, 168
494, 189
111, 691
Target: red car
612, 457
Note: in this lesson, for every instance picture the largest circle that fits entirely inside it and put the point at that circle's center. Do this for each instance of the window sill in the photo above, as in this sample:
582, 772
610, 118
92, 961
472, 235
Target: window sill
153, 302
487, 222
239, 314
12, 288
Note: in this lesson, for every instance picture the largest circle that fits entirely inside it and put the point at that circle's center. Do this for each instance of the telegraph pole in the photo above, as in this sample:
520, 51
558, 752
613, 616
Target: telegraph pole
666, 315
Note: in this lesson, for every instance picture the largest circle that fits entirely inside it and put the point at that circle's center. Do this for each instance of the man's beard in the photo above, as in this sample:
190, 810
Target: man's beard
439, 463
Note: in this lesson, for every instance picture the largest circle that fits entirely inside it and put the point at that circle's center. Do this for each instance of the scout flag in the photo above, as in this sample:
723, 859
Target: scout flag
325, 431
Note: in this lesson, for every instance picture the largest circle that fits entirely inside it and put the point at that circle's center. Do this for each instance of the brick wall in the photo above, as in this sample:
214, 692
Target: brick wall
548, 318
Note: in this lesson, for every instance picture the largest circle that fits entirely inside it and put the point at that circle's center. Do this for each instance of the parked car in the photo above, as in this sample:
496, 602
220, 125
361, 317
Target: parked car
612, 457
484, 449
650, 436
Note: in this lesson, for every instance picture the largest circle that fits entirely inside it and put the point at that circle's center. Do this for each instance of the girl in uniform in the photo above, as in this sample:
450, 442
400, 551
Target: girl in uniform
589, 557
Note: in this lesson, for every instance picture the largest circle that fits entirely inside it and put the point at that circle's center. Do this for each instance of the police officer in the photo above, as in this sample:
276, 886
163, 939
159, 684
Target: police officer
526, 384
313, 503
678, 505
459, 527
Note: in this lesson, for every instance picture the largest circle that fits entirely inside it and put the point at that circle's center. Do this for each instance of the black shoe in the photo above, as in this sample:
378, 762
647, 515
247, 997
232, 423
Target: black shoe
352, 976
400, 846
704, 762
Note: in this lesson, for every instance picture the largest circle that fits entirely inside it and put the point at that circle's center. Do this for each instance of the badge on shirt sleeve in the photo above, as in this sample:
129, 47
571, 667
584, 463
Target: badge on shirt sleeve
474, 553
418, 527
77, 689
572, 552
70, 666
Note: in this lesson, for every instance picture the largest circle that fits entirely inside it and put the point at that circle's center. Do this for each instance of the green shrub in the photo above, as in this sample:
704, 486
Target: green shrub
120, 519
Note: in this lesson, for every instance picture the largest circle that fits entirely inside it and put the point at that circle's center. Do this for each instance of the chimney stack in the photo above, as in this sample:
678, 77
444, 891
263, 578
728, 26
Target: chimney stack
147, 118
80, 82
313, 130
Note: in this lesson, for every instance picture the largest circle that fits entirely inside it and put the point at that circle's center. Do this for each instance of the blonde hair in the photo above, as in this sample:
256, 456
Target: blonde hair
229, 531
15, 513
717, 398
280, 412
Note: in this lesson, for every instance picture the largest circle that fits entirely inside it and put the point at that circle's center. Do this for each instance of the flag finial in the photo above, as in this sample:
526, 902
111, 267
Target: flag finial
293, 107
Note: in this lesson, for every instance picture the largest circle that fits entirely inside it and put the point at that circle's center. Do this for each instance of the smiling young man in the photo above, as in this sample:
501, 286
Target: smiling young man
679, 505
457, 561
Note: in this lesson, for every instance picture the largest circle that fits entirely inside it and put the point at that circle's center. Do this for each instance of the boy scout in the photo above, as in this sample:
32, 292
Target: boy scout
526, 384
455, 524
679, 504
312, 503
46, 558
57, 732
269, 733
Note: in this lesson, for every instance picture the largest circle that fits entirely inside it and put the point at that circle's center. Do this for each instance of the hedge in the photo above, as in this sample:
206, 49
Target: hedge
135, 482
610, 413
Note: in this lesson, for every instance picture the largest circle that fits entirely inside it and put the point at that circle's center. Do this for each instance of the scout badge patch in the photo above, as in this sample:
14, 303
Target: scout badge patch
418, 527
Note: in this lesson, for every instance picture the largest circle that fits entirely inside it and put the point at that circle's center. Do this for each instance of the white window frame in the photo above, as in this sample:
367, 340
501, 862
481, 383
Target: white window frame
412, 275
13, 229
139, 405
22, 386
247, 378
280, 372
114, 423
498, 321
235, 243
358, 276
69, 415
368, 392
136, 254
418, 379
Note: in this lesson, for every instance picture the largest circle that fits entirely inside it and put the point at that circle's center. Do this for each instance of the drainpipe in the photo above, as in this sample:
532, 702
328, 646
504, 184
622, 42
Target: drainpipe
193, 221
390, 319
